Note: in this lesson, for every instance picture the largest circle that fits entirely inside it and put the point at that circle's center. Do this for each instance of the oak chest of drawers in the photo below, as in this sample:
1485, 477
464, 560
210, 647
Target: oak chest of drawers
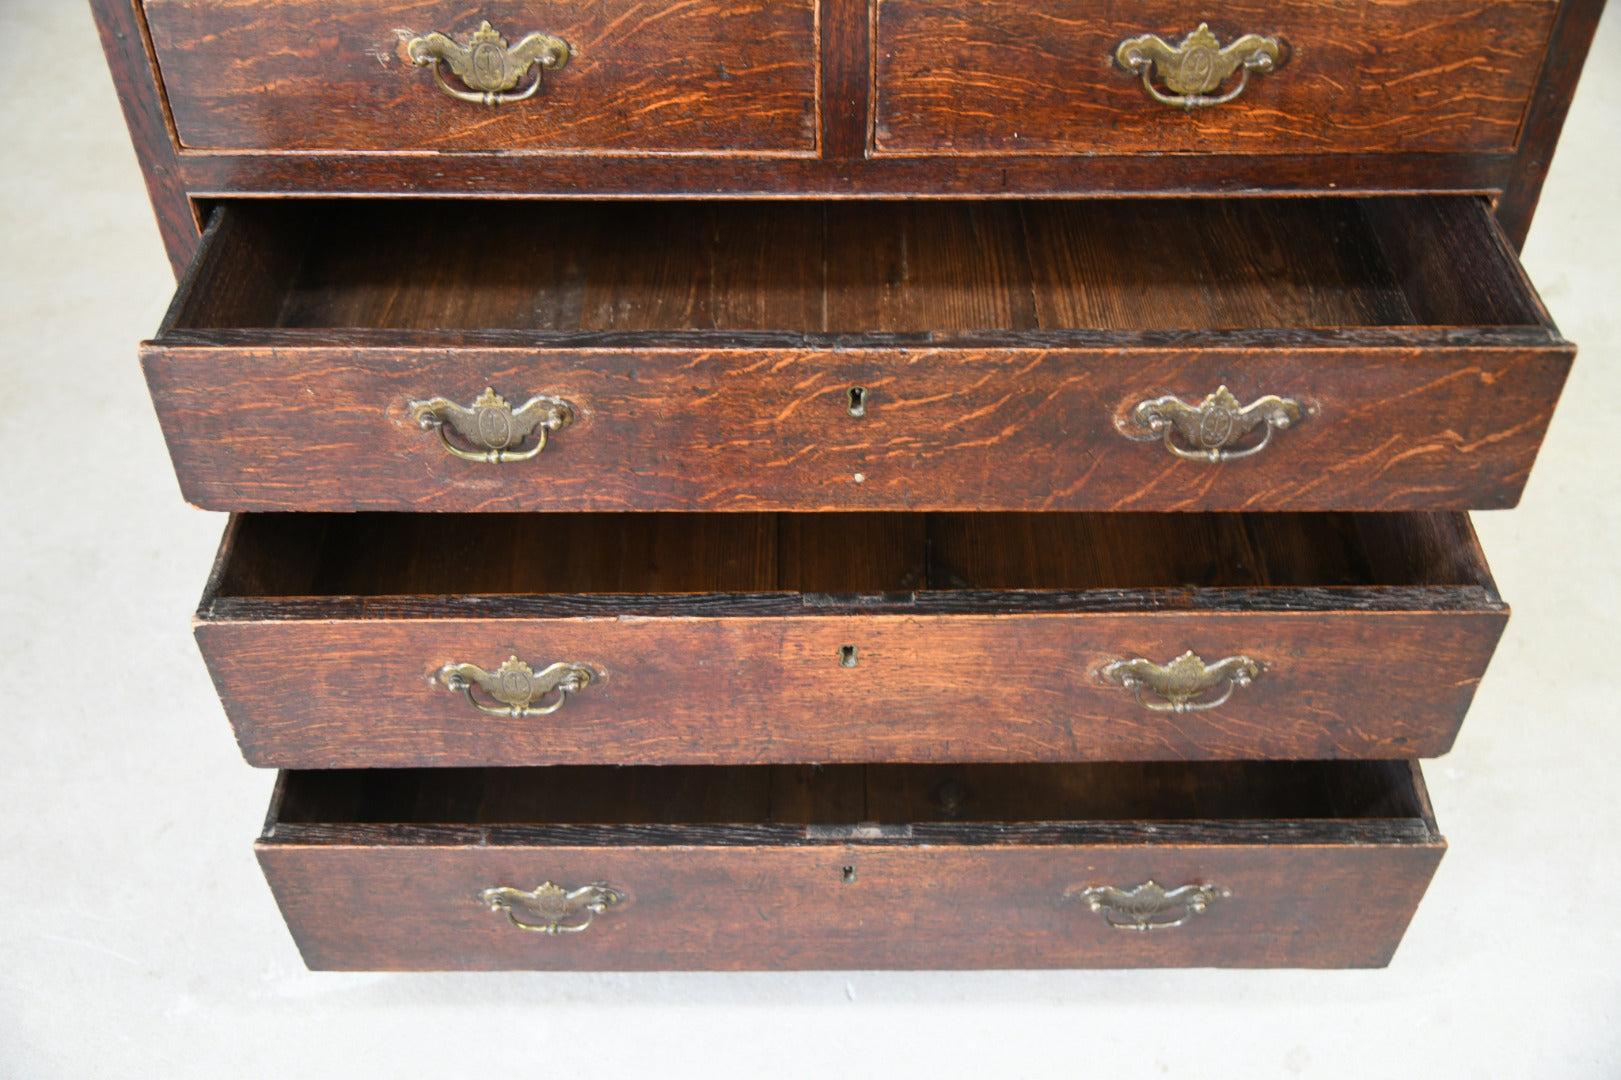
836, 483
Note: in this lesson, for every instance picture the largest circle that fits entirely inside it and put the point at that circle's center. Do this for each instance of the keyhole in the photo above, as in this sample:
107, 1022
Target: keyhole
847, 656
858, 401
847, 875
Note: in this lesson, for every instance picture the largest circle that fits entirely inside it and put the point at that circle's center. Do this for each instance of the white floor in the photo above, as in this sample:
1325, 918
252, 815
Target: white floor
138, 939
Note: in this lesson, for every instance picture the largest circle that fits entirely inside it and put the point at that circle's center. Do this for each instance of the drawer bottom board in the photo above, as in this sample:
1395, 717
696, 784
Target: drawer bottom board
1252, 864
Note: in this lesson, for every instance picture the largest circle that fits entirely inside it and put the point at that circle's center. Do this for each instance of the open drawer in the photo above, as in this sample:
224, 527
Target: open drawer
1157, 354
1249, 864
368, 640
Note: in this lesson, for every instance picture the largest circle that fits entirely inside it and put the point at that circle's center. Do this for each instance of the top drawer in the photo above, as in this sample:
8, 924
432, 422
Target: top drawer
1346, 76
326, 75
1154, 354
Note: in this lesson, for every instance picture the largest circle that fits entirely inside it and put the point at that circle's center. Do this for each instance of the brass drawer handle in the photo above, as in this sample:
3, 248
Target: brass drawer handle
546, 908
1180, 683
492, 426
1197, 66
487, 65
1216, 424
1148, 906
515, 685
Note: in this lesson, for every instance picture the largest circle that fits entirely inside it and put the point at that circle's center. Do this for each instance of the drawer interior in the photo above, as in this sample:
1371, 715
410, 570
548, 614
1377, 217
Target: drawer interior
832, 795
931, 267
374, 554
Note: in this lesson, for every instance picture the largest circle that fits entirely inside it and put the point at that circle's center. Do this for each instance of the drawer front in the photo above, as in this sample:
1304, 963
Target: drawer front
834, 906
1155, 355
412, 910
1377, 428
320, 692
996, 77
319, 75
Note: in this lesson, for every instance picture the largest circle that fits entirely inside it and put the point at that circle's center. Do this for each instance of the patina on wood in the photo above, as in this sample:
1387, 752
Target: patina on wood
135, 78
713, 355
1003, 76
840, 55
1311, 864
1561, 67
708, 353
844, 637
706, 77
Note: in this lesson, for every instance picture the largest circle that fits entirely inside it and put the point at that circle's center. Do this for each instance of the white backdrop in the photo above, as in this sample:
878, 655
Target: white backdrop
137, 937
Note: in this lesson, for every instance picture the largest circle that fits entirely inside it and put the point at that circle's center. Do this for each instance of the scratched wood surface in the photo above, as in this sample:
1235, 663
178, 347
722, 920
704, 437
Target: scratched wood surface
1443, 109
710, 351
1322, 865
1000, 76
317, 75
723, 638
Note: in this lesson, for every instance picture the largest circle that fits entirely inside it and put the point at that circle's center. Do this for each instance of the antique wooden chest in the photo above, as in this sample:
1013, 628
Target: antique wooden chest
776, 484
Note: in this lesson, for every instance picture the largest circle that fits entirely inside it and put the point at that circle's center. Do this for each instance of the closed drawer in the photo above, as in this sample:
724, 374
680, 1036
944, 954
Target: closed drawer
1300, 864
1306, 354
299, 75
435, 640
994, 77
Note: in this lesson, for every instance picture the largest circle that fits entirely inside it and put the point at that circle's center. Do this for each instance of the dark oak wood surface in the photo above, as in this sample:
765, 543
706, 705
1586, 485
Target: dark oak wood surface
843, 46
516, 176
854, 267
882, 867
693, 77
709, 351
1001, 76
721, 638
128, 50
1561, 67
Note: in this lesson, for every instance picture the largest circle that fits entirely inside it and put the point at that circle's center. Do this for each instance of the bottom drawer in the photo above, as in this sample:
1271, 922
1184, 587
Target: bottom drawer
1242, 864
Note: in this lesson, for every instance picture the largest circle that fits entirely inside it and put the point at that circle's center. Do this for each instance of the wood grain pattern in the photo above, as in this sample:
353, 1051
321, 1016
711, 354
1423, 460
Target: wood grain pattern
1395, 426
996, 76
1561, 67
711, 350
719, 638
704, 77
846, 27
1337, 893
124, 40
861, 267
177, 178
483, 174
709, 353
672, 560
